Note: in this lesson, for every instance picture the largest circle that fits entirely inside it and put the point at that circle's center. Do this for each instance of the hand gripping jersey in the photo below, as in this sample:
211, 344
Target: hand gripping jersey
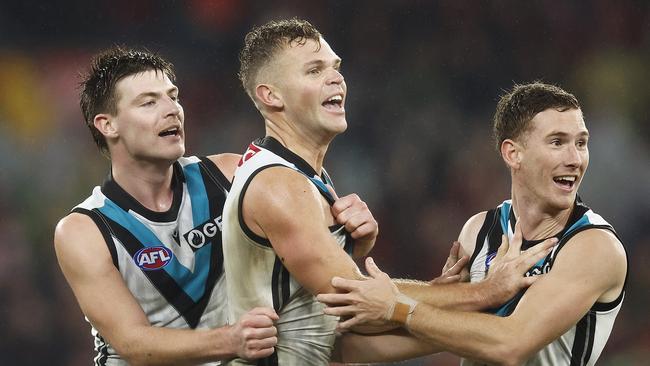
257, 277
172, 262
583, 343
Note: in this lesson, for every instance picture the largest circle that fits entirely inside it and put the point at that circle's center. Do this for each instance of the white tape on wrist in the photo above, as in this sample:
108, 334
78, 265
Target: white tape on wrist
403, 309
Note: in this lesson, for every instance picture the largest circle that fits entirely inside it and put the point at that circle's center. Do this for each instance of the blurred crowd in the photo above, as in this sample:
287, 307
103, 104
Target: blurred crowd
423, 80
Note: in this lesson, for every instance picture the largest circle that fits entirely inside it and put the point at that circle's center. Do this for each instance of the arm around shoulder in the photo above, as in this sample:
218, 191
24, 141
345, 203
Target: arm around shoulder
112, 309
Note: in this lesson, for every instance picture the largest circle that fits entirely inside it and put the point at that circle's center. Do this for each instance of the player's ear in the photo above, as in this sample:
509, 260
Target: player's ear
511, 153
269, 96
106, 125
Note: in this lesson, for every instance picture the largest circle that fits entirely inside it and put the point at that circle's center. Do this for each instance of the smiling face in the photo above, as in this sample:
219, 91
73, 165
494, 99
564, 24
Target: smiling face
149, 121
553, 158
307, 79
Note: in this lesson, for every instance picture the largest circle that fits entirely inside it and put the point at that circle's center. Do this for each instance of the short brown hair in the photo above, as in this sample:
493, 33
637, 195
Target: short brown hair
98, 85
261, 44
518, 107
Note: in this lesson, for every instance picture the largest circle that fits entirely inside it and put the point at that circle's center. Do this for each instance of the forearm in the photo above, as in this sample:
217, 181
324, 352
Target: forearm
148, 345
457, 296
476, 336
386, 347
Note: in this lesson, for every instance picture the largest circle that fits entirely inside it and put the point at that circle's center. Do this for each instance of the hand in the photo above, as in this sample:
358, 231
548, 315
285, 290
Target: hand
452, 271
506, 273
254, 334
364, 301
354, 214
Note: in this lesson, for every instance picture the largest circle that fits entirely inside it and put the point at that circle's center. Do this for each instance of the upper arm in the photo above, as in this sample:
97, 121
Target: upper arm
98, 286
591, 267
287, 209
467, 238
227, 163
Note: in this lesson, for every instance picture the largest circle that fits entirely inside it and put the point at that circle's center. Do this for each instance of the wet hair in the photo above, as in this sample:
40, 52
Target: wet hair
518, 107
98, 94
262, 43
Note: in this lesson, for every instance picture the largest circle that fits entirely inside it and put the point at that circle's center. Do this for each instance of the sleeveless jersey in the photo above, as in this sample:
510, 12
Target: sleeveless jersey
257, 277
582, 343
172, 262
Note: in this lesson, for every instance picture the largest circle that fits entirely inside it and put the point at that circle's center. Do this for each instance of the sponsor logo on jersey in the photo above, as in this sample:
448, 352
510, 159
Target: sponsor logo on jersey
153, 258
202, 234
250, 152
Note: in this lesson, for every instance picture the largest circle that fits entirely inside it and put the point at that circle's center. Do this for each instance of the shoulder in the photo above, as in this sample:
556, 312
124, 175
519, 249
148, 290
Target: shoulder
598, 255
597, 243
78, 241
226, 162
284, 185
280, 193
469, 232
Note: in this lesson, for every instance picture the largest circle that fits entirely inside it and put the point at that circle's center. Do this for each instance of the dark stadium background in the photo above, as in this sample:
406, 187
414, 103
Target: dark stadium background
423, 79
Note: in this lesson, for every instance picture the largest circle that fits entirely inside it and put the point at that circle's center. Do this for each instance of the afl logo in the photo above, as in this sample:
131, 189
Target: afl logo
153, 258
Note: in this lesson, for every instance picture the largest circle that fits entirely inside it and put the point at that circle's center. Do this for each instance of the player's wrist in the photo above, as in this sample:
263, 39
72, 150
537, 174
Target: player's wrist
402, 309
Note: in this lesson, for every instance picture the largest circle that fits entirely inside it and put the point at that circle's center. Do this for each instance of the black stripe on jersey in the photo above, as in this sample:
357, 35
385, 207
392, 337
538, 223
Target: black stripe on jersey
271, 360
102, 351
584, 340
274, 146
104, 228
251, 235
486, 228
215, 174
280, 285
166, 284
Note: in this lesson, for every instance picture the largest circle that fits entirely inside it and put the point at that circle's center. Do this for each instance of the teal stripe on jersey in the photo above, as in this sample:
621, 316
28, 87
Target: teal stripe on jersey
198, 195
505, 215
192, 283
584, 220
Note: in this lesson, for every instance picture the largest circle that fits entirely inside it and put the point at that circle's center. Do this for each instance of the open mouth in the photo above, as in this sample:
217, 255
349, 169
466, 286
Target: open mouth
174, 131
565, 181
334, 103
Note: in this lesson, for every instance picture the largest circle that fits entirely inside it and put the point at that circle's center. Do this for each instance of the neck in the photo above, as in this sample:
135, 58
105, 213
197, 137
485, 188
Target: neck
311, 149
148, 183
538, 221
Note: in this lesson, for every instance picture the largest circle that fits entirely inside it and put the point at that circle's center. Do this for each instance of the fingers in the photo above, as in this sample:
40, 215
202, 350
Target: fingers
517, 239
344, 284
264, 311
453, 252
533, 255
447, 279
334, 299
348, 323
503, 248
458, 267
373, 270
341, 310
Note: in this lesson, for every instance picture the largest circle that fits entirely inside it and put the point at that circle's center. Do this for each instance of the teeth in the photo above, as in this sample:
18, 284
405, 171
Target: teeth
336, 98
567, 177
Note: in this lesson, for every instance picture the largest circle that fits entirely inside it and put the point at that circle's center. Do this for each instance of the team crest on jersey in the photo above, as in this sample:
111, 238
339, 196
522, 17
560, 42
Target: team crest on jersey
202, 234
153, 258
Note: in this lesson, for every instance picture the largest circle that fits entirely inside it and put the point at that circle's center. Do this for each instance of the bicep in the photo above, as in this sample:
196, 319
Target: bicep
293, 220
98, 286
